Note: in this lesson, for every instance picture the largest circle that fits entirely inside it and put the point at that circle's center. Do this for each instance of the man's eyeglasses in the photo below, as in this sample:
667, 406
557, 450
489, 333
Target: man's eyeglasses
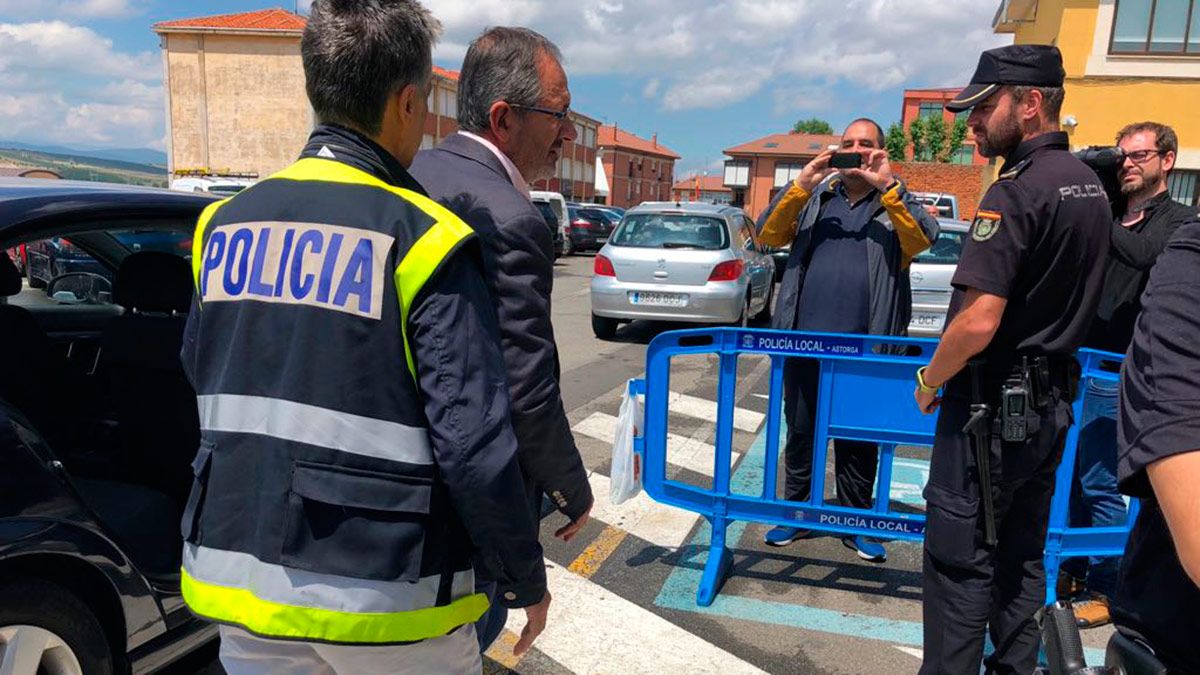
1142, 156
559, 115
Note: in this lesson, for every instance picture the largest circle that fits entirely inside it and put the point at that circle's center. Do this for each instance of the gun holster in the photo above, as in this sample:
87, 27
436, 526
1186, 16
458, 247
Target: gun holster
1126, 656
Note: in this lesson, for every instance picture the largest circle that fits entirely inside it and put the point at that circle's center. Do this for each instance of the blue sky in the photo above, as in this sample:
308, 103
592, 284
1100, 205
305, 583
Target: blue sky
704, 74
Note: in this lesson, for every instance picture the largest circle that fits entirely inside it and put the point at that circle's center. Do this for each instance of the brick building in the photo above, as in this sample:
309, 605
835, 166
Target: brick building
920, 103
236, 101
709, 189
758, 169
638, 170
575, 176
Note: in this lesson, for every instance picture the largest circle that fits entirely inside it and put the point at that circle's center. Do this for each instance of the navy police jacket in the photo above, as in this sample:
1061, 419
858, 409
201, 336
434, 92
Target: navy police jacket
356, 449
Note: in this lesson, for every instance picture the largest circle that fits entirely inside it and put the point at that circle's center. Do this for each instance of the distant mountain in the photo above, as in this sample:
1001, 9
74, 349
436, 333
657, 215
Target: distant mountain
133, 155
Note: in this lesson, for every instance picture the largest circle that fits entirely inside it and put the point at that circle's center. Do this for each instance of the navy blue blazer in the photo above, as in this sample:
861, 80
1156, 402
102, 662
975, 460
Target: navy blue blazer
465, 177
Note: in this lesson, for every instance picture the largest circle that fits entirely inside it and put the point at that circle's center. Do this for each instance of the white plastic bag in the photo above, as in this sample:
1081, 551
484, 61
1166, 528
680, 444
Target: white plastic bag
626, 473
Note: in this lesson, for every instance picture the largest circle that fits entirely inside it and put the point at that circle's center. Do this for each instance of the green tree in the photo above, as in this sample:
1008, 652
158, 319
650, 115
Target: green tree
936, 136
812, 125
919, 138
958, 134
896, 142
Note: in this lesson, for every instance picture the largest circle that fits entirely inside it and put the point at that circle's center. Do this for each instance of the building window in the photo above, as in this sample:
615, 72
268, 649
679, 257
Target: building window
786, 172
449, 104
589, 137
1182, 185
737, 173
431, 104
426, 142
930, 109
964, 155
1156, 27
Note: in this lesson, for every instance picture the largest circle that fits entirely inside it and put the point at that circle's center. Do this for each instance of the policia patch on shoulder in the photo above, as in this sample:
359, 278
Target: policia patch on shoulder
986, 224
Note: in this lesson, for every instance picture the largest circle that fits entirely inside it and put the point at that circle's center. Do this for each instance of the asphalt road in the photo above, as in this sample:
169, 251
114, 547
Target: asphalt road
624, 589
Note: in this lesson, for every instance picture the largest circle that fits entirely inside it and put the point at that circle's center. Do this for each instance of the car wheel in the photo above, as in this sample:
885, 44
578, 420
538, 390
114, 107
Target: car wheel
604, 327
33, 281
568, 246
764, 315
44, 628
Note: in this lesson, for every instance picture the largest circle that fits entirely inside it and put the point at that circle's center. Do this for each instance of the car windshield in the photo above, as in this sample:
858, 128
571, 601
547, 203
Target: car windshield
945, 250
597, 214
165, 241
547, 213
659, 230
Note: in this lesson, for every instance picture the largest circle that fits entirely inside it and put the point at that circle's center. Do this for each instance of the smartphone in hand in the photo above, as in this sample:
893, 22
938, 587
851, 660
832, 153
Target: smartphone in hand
846, 160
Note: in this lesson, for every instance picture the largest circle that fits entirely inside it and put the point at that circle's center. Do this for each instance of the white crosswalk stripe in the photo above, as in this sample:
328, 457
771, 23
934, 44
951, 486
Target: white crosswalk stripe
641, 516
616, 635
682, 451
745, 420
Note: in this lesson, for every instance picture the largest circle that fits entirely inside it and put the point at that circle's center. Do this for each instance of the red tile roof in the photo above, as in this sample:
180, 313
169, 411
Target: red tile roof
707, 184
786, 144
263, 20
448, 74
613, 137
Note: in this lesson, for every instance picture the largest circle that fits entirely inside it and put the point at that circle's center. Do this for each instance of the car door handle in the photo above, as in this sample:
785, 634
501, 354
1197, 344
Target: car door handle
660, 274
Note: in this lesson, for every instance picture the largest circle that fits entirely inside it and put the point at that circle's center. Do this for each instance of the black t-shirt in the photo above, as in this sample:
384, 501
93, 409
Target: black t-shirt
1160, 417
1131, 255
1039, 240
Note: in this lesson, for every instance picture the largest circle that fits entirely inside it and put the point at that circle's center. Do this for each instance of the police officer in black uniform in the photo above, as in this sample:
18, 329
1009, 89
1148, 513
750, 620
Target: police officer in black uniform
1159, 462
1026, 288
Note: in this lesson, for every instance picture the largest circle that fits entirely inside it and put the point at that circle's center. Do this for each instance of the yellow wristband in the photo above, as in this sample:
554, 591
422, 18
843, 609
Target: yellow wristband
925, 389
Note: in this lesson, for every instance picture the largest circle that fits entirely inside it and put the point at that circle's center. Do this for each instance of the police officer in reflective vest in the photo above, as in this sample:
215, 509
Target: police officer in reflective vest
1027, 285
356, 450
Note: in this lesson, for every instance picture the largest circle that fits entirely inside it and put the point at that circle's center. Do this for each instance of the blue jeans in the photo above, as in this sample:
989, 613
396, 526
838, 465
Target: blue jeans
488, 627
1094, 498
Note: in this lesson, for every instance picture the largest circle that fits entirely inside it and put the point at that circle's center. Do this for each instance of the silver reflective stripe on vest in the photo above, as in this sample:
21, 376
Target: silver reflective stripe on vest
309, 424
299, 588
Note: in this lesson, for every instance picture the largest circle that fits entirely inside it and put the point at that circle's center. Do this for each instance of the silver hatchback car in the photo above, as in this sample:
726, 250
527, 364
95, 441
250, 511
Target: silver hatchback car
930, 275
691, 262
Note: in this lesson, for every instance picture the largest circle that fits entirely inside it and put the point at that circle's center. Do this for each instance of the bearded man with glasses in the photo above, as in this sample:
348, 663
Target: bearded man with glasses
1139, 235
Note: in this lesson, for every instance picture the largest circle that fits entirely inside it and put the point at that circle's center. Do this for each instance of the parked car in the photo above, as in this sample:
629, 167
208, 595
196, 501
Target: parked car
780, 256
587, 229
930, 275
56, 256
945, 203
96, 444
615, 210
551, 222
17, 255
694, 262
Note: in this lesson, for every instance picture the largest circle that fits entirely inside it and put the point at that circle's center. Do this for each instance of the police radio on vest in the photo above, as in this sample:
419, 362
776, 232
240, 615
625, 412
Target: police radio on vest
325, 266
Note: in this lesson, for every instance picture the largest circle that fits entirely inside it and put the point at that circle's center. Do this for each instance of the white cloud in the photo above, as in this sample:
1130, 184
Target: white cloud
56, 45
715, 88
651, 88
70, 9
68, 84
707, 55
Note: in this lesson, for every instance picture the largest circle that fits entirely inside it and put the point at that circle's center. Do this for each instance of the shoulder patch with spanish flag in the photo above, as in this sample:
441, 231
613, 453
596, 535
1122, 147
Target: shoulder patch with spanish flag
985, 226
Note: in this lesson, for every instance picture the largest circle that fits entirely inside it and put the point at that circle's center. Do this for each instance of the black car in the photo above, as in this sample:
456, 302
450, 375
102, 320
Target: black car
551, 222
98, 430
588, 229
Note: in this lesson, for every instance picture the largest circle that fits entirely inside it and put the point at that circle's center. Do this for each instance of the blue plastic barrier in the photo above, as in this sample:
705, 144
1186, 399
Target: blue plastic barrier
865, 393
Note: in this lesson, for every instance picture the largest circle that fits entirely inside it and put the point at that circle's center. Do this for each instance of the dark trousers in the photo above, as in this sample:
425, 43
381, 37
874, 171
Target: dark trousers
969, 587
855, 462
1095, 501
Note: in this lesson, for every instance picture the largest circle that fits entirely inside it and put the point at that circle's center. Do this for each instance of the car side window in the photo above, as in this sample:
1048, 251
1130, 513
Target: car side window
60, 271
78, 275
748, 225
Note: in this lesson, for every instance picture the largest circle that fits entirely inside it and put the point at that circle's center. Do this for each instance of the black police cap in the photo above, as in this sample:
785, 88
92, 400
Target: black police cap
1028, 65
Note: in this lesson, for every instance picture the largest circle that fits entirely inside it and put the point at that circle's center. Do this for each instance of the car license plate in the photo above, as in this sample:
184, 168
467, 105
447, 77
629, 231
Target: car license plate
928, 320
658, 299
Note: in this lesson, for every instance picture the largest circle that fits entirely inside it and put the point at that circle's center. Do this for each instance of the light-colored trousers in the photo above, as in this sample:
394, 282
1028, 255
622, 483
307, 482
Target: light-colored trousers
246, 654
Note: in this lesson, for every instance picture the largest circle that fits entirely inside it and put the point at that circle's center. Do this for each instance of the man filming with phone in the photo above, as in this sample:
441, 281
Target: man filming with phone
854, 230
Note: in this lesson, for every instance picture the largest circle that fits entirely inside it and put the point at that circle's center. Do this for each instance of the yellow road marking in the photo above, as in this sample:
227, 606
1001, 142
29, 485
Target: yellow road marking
501, 650
589, 562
